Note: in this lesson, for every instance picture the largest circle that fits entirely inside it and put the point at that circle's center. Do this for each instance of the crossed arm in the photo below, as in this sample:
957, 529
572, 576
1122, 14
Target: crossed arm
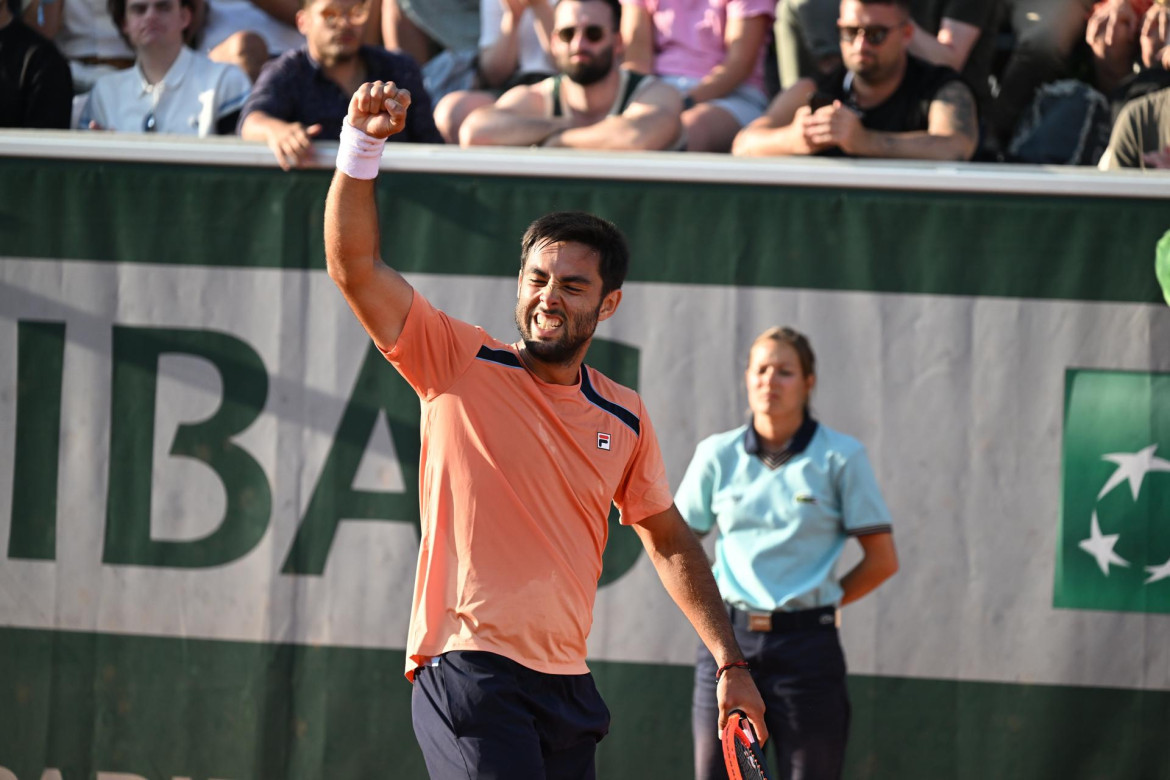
521, 118
791, 128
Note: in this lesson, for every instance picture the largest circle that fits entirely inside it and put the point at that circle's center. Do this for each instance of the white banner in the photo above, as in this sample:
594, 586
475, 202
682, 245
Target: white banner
958, 400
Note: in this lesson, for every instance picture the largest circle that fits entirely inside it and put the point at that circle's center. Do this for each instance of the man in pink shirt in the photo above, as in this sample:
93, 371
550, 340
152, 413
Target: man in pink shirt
523, 449
710, 50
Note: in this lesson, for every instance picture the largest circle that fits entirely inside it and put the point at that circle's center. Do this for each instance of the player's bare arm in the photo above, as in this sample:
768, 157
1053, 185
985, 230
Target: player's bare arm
780, 131
519, 118
649, 122
378, 294
686, 574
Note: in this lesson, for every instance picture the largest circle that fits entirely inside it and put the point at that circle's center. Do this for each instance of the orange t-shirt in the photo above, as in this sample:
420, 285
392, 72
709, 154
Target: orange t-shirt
515, 482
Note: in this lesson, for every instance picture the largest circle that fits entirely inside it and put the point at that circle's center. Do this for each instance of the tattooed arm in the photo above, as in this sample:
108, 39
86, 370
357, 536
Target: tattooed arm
952, 131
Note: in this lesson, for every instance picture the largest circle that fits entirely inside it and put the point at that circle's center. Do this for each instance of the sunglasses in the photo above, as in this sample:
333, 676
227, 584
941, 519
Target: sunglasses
875, 35
149, 125
357, 14
592, 32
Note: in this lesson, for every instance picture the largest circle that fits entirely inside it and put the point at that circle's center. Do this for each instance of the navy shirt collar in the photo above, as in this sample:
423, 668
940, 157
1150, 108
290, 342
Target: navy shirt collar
798, 444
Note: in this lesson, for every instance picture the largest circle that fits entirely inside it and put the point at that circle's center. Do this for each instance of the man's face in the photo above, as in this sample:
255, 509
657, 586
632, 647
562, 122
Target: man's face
559, 301
874, 38
155, 23
333, 29
584, 42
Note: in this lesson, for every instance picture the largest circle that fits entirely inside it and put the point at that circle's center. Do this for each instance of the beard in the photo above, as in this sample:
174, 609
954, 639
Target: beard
590, 71
339, 53
576, 330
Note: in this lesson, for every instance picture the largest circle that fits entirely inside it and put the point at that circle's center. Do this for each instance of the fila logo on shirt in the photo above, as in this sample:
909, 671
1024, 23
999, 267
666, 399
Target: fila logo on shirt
603, 441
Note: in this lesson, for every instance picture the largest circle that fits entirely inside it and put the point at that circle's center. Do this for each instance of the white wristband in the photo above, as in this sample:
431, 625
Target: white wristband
358, 154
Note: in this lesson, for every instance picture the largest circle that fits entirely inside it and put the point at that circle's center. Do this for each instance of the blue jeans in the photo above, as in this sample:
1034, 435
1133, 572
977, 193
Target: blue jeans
479, 715
801, 675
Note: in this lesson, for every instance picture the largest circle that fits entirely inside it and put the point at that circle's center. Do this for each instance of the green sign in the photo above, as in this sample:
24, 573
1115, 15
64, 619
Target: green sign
1114, 551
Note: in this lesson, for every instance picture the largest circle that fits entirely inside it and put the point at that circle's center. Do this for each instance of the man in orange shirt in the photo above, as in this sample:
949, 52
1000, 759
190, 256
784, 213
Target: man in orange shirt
523, 450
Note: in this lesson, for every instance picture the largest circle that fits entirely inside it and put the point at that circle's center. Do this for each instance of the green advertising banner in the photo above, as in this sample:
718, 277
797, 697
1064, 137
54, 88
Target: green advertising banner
208, 475
1115, 523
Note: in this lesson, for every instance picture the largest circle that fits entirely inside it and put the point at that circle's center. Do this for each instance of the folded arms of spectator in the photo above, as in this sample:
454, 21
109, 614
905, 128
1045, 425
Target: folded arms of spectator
792, 128
521, 117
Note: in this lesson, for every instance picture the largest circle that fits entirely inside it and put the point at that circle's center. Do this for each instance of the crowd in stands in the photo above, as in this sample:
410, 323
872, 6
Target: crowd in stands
1040, 81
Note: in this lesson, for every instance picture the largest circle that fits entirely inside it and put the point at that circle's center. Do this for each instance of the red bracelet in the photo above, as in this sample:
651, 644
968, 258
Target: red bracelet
733, 665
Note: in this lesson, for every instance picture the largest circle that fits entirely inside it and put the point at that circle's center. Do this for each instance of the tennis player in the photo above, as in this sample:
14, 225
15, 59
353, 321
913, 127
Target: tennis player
523, 450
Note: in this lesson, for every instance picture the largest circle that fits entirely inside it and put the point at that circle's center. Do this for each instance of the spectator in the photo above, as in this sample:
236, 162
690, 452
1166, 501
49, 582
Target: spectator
592, 102
1045, 33
247, 34
882, 102
959, 34
1154, 38
44, 16
304, 93
513, 49
441, 35
171, 89
91, 42
712, 52
955, 33
1141, 135
806, 39
1112, 33
35, 87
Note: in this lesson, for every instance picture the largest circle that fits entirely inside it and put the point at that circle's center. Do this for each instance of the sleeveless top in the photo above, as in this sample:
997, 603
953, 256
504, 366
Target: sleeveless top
629, 86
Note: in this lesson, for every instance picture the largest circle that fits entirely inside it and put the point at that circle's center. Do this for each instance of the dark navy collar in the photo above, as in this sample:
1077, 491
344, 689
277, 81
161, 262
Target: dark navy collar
798, 444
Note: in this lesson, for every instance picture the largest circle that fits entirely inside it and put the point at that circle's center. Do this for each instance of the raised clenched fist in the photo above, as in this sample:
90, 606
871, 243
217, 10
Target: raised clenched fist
378, 108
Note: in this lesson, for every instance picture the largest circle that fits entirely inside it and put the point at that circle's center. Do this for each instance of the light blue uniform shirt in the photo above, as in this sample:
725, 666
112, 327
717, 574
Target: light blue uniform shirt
781, 532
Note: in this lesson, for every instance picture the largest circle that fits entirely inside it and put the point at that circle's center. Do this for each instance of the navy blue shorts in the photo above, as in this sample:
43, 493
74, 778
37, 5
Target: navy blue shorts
480, 715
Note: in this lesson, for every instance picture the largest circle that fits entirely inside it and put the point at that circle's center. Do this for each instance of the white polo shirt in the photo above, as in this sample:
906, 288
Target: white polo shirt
189, 100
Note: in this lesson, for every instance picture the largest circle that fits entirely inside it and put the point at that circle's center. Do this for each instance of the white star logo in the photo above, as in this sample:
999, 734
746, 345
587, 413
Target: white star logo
1100, 546
1133, 466
1158, 572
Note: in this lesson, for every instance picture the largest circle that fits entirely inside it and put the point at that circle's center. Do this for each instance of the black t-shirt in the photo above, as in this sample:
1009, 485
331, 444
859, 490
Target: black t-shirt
907, 110
984, 14
36, 89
